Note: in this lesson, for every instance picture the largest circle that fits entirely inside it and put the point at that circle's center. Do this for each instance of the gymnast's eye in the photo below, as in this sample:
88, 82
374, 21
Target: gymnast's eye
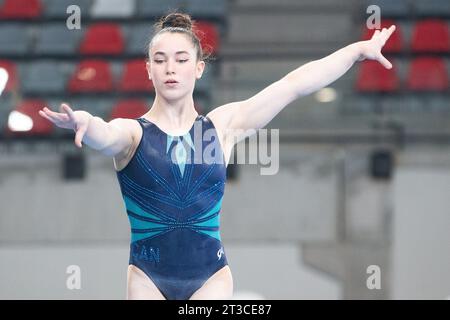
159, 61
183, 61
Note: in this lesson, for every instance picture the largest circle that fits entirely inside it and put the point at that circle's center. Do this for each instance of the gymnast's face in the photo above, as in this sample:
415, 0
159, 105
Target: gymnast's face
174, 56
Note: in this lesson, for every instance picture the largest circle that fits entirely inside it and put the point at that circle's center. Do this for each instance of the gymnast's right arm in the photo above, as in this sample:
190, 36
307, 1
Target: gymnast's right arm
106, 137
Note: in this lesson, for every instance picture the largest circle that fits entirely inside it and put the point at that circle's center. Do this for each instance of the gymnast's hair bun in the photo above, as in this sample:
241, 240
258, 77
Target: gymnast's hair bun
177, 20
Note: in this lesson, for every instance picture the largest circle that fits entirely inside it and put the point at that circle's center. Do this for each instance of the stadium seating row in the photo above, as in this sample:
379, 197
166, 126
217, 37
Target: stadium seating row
97, 9
429, 35
415, 105
424, 74
13, 115
408, 8
88, 76
100, 38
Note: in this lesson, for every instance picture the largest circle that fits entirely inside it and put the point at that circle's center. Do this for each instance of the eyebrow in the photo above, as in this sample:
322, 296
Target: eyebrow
178, 52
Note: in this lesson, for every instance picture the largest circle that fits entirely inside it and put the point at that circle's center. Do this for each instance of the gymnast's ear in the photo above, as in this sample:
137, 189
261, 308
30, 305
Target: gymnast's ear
147, 66
199, 69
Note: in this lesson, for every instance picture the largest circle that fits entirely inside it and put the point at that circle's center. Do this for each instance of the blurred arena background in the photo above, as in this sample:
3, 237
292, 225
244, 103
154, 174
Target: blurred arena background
364, 176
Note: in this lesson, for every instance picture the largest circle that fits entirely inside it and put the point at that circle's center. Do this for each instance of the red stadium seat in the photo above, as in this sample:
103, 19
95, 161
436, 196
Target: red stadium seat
40, 125
135, 77
103, 38
373, 77
431, 36
395, 42
427, 74
91, 76
130, 109
13, 77
208, 35
20, 9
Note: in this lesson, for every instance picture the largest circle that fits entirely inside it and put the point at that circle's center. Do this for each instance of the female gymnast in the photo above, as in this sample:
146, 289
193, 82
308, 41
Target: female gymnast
172, 202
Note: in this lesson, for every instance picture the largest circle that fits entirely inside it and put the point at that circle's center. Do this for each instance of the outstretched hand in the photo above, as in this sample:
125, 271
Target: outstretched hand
69, 119
371, 49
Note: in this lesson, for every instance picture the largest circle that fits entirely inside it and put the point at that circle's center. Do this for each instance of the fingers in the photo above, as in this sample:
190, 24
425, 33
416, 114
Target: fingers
68, 110
79, 136
385, 62
65, 120
44, 115
53, 116
375, 35
386, 33
391, 30
379, 39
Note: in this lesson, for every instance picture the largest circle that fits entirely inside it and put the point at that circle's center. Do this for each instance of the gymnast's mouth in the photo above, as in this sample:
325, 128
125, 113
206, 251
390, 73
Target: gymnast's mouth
171, 83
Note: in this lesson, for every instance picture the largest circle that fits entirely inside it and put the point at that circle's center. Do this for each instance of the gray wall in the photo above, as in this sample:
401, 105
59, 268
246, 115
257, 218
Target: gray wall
421, 246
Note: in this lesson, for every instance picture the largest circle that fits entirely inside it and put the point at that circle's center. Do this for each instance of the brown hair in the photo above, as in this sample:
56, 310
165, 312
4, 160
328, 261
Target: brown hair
177, 22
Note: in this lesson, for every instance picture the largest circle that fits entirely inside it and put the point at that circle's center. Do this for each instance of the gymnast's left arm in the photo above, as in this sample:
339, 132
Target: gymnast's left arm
260, 109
